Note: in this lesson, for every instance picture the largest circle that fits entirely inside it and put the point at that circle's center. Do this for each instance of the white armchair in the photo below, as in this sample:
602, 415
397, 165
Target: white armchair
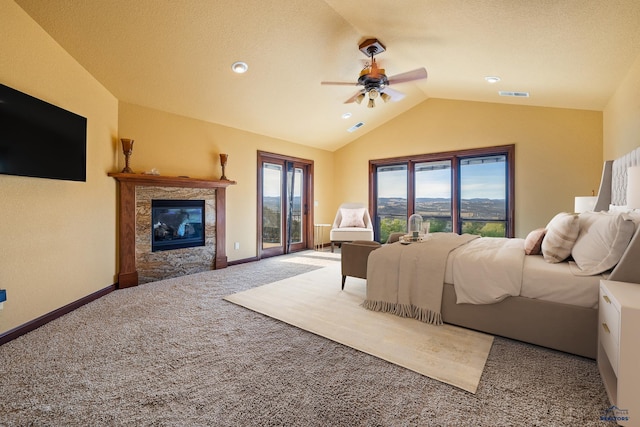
352, 222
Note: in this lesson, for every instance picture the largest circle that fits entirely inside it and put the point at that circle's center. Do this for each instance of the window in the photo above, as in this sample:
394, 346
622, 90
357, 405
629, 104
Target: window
468, 191
433, 194
483, 201
391, 203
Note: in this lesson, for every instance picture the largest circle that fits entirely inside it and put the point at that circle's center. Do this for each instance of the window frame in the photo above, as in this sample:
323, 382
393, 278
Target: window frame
455, 157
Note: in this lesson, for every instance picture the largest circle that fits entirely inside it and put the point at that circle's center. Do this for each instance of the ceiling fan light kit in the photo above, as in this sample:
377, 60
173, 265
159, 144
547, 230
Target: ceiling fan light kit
374, 80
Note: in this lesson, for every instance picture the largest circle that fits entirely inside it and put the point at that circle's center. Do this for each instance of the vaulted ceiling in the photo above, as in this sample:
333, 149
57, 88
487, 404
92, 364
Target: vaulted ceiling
176, 56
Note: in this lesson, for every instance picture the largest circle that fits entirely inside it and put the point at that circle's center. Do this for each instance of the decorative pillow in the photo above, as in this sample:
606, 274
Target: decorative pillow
352, 218
602, 240
562, 232
533, 242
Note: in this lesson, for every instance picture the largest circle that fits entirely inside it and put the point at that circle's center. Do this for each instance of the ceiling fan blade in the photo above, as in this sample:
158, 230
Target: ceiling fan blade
418, 74
339, 83
394, 94
353, 98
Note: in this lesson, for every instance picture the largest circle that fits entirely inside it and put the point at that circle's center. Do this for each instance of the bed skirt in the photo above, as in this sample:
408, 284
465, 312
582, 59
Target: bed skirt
563, 327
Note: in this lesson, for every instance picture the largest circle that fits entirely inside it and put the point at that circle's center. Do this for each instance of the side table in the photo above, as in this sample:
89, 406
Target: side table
619, 349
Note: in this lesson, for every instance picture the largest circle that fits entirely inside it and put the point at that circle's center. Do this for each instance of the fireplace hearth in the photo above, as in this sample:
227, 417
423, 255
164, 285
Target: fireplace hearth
177, 224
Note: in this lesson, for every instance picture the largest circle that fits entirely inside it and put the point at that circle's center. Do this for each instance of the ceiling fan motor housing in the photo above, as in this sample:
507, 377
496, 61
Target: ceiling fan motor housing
370, 82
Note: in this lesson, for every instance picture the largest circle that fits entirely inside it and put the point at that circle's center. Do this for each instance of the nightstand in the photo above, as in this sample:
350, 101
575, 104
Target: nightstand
619, 348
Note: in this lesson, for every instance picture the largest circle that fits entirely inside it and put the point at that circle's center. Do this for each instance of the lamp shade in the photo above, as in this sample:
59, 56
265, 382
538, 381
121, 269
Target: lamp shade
633, 187
584, 203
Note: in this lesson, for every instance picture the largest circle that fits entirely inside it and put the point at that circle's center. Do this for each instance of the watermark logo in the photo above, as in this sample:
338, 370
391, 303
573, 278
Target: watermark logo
615, 414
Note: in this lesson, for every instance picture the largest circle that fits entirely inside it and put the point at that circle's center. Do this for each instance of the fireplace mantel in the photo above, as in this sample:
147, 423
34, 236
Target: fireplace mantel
127, 182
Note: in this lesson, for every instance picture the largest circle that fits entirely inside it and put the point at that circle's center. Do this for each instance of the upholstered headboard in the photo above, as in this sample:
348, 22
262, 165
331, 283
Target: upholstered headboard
613, 191
613, 184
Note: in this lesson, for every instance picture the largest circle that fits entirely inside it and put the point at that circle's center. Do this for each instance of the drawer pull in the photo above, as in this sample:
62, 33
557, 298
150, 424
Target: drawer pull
606, 298
606, 328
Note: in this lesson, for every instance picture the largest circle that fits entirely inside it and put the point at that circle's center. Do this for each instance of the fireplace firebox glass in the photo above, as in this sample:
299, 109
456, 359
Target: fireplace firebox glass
177, 224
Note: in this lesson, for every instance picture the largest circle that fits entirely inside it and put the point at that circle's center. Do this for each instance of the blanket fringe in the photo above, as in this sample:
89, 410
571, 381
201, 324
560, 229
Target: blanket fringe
404, 310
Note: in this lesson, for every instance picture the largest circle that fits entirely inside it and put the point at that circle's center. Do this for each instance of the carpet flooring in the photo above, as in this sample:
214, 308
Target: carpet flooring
314, 302
175, 353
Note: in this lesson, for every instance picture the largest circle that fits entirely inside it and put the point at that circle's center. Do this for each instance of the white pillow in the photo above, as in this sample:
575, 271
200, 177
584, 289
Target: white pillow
352, 217
562, 232
602, 240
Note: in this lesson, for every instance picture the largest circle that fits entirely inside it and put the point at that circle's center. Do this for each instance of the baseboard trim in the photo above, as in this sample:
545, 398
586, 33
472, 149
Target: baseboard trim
242, 261
46, 318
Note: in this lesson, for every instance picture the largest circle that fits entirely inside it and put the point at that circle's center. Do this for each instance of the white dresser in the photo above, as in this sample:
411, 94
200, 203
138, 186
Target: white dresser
619, 349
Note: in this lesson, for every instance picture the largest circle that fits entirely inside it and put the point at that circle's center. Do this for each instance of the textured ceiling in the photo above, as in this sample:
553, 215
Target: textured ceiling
176, 56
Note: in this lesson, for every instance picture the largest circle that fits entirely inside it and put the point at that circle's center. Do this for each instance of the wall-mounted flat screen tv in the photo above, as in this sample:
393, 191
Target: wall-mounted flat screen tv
38, 139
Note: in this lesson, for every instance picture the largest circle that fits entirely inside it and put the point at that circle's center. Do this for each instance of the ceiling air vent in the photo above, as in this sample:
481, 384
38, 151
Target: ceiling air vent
514, 94
355, 127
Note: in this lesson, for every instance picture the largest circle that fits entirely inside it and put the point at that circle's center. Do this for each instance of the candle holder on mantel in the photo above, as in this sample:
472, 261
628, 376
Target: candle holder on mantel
127, 149
223, 162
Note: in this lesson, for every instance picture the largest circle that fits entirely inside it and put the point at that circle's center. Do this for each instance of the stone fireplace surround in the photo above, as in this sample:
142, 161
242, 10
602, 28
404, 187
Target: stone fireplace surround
138, 264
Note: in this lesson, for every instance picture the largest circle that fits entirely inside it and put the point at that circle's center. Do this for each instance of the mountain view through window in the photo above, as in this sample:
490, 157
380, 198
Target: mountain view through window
462, 194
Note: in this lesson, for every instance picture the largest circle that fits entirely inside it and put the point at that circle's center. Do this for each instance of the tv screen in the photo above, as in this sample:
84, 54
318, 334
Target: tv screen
38, 139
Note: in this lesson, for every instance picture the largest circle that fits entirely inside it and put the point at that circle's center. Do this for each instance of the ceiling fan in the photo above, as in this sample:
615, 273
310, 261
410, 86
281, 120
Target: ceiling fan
373, 79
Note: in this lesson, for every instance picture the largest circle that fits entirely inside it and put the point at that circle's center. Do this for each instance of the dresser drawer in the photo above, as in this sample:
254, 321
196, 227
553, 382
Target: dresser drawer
609, 328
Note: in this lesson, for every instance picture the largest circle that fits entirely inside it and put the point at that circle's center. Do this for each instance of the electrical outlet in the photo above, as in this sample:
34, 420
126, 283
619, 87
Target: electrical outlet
236, 245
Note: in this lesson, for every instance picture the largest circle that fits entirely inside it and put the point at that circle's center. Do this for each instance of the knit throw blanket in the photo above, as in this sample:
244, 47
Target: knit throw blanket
407, 280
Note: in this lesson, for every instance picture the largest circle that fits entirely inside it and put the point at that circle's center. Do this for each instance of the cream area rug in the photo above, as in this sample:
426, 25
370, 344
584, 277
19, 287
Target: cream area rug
314, 302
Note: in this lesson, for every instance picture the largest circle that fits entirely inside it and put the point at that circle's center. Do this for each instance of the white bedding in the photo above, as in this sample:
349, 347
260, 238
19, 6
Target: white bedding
487, 270
496, 263
556, 282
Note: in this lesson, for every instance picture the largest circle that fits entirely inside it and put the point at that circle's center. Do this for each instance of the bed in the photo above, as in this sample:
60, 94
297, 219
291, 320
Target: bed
549, 297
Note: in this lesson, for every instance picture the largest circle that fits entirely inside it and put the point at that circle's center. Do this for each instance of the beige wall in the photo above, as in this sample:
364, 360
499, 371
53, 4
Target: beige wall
58, 237
558, 151
622, 116
177, 145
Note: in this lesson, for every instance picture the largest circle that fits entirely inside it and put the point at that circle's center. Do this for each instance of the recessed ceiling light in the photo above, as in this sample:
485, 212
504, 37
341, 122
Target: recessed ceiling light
239, 67
346, 115
492, 79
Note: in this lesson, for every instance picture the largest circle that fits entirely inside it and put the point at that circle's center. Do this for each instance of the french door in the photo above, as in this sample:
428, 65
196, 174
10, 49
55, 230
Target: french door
285, 222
